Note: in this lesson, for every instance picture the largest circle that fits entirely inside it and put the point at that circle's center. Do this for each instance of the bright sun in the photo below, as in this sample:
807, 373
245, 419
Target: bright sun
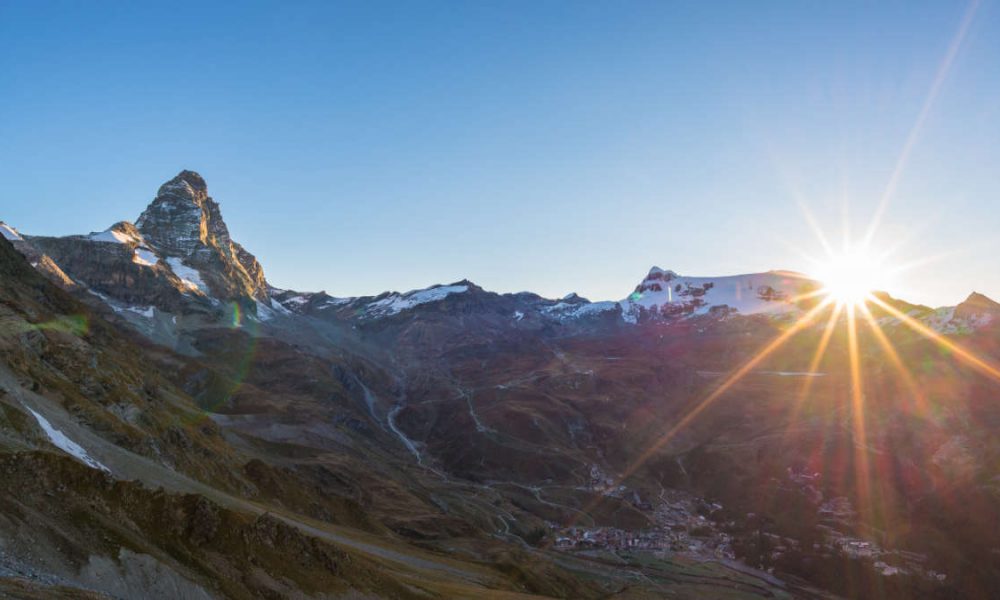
850, 278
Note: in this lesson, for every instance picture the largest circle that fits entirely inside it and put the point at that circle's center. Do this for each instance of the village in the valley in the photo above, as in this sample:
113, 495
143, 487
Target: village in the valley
680, 525
682, 528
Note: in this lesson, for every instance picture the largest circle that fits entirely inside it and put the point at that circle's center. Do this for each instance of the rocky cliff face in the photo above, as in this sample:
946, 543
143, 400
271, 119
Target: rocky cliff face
184, 222
110, 263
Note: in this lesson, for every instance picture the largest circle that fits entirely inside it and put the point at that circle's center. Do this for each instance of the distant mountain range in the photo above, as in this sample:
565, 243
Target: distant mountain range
173, 426
177, 266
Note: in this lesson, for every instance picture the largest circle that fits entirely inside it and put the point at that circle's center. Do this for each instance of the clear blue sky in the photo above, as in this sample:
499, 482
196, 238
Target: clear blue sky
548, 146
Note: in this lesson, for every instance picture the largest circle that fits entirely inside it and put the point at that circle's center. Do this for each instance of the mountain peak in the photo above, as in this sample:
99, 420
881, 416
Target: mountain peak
977, 306
976, 311
186, 181
656, 273
178, 221
193, 178
184, 222
977, 299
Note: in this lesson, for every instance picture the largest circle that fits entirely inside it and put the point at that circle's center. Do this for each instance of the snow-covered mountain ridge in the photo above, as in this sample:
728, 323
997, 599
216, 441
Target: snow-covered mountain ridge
666, 294
179, 258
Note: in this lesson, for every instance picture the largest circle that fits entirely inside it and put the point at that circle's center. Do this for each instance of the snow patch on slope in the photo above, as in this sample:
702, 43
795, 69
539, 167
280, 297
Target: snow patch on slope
338, 302
59, 440
279, 307
190, 277
264, 312
142, 311
396, 303
9, 232
566, 310
268, 310
145, 257
113, 236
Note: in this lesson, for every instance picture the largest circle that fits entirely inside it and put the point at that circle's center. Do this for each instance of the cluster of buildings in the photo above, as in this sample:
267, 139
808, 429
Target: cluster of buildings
679, 528
886, 562
610, 538
603, 484
682, 526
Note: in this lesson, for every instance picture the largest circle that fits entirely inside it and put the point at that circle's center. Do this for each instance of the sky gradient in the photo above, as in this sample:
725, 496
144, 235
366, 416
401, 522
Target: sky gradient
543, 146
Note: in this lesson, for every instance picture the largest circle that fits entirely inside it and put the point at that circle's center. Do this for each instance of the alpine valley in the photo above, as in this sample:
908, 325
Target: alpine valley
173, 426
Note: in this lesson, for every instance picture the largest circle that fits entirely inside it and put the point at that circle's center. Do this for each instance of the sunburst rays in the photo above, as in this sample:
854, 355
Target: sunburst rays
940, 76
847, 295
890, 351
844, 303
814, 364
730, 381
830, 315
967, 356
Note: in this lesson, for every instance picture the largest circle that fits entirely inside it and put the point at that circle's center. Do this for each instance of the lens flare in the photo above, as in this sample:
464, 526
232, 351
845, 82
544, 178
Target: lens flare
78, 325
243, 339
236, 316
